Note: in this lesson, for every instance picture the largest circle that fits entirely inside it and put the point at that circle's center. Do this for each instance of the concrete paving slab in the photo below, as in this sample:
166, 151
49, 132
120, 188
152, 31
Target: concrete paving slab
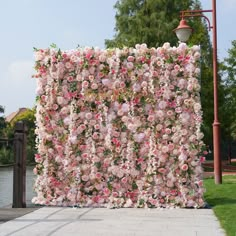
56, 221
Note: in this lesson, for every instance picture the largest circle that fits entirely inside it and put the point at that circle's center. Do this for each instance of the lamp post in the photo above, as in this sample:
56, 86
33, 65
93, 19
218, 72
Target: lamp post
183, 31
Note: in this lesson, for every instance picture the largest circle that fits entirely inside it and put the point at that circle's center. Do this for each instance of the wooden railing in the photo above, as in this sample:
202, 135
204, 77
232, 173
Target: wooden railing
19, 173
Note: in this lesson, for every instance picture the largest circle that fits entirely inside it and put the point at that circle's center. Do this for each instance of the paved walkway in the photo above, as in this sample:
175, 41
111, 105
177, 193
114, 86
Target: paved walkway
58, 221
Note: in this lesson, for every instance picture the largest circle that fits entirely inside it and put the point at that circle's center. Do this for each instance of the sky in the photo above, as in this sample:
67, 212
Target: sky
31, 23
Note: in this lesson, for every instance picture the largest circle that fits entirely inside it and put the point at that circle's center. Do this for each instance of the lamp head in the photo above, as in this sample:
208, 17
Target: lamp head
183, 31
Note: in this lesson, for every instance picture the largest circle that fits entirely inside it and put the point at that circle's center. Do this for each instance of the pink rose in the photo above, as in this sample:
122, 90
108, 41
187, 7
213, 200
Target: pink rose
130, 65
122, 84
95, 135
85, 155
94, 86
88, 116
165, 149
85, 178
97, 126
106, 191
98, 175
124, 180
151, 118
85, 84
184, 167
130, 58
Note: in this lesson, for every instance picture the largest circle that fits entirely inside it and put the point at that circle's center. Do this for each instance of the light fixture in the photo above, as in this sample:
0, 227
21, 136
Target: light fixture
183, 31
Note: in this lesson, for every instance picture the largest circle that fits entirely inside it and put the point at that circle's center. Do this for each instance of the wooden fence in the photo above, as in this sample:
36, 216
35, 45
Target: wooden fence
19, 174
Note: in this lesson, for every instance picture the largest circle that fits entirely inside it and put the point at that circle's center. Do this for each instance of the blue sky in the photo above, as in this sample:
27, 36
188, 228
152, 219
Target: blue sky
29, 23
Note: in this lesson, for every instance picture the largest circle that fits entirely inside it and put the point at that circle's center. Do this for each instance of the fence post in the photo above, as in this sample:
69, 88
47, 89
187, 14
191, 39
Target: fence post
19, 174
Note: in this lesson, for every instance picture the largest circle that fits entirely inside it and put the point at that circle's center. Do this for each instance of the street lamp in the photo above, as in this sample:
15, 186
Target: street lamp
183, 31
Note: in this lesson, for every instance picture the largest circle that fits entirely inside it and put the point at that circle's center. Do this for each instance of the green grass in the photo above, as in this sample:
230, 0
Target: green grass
222, 198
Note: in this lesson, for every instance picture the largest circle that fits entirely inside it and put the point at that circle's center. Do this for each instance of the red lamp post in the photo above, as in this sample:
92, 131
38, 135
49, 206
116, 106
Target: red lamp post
183, 31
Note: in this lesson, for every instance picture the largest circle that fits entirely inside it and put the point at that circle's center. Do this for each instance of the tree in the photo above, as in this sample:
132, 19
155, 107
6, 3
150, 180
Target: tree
201, 37
2, 121
146, 21
228, 69
29, 118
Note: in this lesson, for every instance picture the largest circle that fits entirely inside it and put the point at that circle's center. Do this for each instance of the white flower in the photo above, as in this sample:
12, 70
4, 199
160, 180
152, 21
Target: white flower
125, 107
60, 100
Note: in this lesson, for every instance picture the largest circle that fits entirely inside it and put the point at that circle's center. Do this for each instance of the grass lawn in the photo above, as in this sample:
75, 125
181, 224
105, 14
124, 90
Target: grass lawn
222, 198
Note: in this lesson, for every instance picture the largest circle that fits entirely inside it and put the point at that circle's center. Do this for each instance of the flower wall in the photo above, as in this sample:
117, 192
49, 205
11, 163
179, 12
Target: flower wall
119, 127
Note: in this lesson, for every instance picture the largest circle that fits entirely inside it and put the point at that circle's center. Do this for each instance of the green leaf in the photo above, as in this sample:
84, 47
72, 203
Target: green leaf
134, 186
107, 152
53, 45
109, 186
141, 202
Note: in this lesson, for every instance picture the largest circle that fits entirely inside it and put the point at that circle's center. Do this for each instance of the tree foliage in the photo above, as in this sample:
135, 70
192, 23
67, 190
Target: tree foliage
146, 21
228, 69
6, 151
2, 121
28, 117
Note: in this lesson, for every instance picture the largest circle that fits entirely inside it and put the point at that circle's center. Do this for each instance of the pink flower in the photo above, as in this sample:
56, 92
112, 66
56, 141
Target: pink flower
60, 100
162, 105
85, 155
38, 158
184, 167
115, 194
151, 118
88, 116
136, 87
106, 191
130, 58
139, 137
85, 178
202, 159
144, 84
130, 65
68, 65
95, 135
125, 107
97, 126
122, 84
162, 170
98, 175
165, 149
124, 180
85, 84
94, 86
168, 131
171, 146
120, 113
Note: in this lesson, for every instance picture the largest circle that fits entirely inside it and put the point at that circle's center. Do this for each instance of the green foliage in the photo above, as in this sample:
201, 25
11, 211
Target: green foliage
29, 119
2, 109
223, 200
6, 155
2, 122
146, 21
228, 70
6, 149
